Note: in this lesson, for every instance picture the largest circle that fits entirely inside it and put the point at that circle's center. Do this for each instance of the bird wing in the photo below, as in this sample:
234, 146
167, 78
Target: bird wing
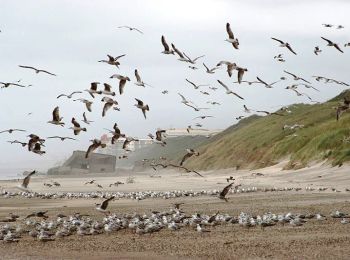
229, 31
329, 41
337, 47
47, 72
261, 81
107, 87
56, 114
177, 51
27, 179
290, 48
27, 67
222, 84
104, 204
195, 59
118, 57
111, 58
186, 156
138, 30
122, 83
237, 95
224, 192
62, 95
93, 86
138, 78
165, 45
107, 106
139, 102
75, 123
205, 66
183, 98
91, 148
290, 73
240, 76
191, 83
282, 42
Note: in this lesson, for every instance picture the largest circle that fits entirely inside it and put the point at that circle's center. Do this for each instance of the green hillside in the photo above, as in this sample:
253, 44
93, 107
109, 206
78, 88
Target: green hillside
261, 141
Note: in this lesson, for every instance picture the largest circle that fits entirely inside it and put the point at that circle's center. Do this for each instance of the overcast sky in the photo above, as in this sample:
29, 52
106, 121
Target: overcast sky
69, 37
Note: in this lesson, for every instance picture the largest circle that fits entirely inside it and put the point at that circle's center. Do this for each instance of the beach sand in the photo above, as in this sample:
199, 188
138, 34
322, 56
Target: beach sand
327, 239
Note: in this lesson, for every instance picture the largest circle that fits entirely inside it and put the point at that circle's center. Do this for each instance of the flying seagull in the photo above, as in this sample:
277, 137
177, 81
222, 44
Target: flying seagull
108, 90
182, 57
62, 138
70, 95
192, 61
103, 207
122, 81
109, 102
37, 70
17, 142
223, 193
263, 82
93, 89
210, 71
229, 65
296, 77
10, 131
231, 37
56, 119
284, 44
195, 85
167, 50
112, 61
131, 28
86, 102
8, 84
190, 153
202, 117
142, 106
76, 127
127, 141
95, 144
85, 120
228, 91
317, 50
24, 185
116, 133
37, 149
332, 44
159, 137
139, 81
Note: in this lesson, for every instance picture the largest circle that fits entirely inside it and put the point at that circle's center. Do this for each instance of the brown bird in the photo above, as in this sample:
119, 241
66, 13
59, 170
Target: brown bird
240, 73
230, 66
142, 106
37, 149
56, 119
33, 140
122, 81
223, 193
285, 44
39, 214
112, 61
96, 143
231, 37
190, 153
37, 70
116, 133
108, 90
103, 207
76, 127
127, 141
93, 89
109, 102
159, 137
25, 182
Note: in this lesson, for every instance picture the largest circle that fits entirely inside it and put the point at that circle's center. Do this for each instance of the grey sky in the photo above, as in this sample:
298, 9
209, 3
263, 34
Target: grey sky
69, 37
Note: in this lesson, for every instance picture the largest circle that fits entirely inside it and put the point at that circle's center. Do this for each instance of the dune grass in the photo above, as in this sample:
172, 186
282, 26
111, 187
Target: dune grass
261, 141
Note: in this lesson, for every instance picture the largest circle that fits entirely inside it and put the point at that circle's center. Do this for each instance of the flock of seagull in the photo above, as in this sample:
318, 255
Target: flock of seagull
173, 219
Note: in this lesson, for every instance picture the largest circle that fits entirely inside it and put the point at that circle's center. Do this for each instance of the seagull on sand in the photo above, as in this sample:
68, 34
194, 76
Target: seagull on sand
190, 153
122, 81
332, 44
103, 207
61, 137
37, 70
38, 214
112, 61
107, 90
24, 185
131, 28
231, 37
229, 65
70, 95
85, 120
223, 193
96, 143
228, 91
296, 77
76, 127
10, 131
201, 230
56, 119
167, 50
86, 102
317, 50
139, 81
142, 106
210, 71
109, 102
195, 85
93, 89
284, 44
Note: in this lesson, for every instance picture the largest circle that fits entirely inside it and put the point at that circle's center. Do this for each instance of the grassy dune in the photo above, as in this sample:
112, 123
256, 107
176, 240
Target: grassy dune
261, 141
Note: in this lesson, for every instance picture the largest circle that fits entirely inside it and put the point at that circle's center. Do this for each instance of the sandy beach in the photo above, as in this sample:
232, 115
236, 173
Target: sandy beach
323, 240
